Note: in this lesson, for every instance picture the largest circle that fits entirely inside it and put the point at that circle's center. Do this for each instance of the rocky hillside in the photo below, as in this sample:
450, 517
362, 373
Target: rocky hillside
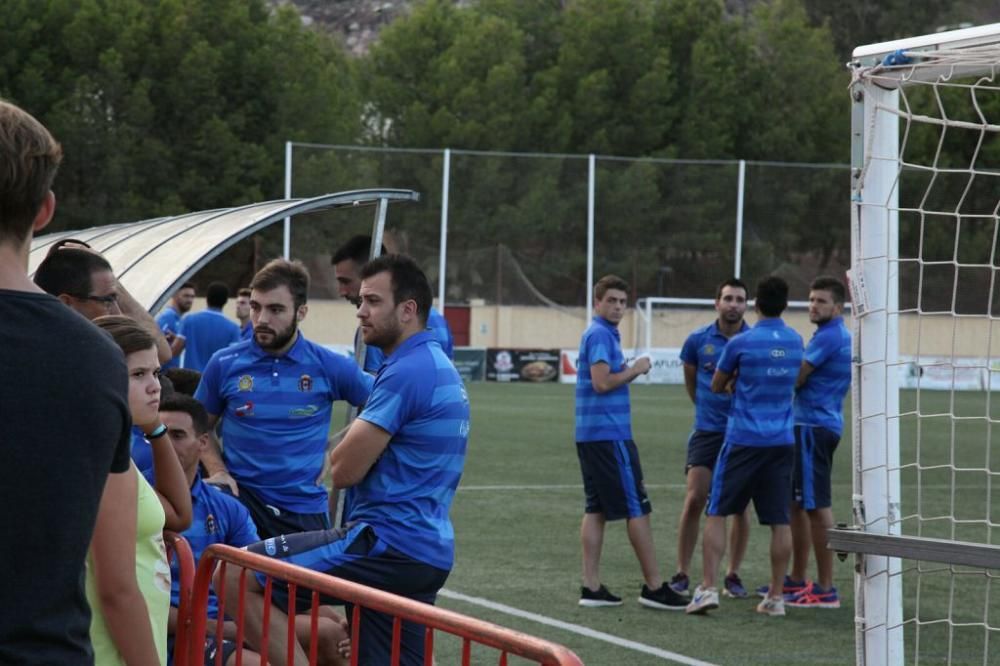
356, 22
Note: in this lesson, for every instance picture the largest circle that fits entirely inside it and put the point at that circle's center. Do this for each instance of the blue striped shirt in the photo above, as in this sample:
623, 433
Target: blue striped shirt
436, 323
601, 416
207, 332
419, 399
702, 350
820, 400
768, 357
276, 416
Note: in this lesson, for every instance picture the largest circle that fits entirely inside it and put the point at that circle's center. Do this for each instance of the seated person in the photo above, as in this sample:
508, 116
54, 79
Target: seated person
220, 518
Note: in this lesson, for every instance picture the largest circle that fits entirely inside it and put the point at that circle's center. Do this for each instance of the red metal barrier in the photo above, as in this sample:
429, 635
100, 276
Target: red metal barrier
470, 630
179, 549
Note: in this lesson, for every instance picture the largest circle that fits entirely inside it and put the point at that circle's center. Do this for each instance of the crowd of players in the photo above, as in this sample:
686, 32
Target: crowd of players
768, 418
107, 454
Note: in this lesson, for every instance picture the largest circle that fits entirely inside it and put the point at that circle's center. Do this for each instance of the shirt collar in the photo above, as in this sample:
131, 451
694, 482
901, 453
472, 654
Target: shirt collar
598, 319
836, 321
718, 331
770, 323
415, 340
296, 352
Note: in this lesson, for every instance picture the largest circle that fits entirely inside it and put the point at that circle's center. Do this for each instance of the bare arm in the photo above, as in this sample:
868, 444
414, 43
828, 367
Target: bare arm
720, 381
804, 371
130, 307
690, 380
171, 484
211, 458
113, 553
604, 380
357, 452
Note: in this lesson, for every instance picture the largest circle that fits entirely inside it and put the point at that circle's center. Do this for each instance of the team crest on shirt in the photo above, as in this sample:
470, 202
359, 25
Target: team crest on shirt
245, 383
246, 409
210, 524
305, 383
709, 349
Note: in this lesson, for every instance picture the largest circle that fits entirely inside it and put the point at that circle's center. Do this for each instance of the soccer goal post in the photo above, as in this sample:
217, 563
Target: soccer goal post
925, 254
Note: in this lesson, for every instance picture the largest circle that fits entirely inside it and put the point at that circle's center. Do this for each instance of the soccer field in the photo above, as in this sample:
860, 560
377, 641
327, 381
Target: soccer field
517, 516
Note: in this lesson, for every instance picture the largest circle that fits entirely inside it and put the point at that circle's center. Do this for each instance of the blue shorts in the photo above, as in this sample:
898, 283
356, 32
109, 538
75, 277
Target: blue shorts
703, 448
811, 484
357, 554
272, 521
612, 479
759, 473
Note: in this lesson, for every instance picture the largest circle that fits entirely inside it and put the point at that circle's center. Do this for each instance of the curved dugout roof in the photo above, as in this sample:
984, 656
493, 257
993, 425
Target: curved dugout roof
151, 258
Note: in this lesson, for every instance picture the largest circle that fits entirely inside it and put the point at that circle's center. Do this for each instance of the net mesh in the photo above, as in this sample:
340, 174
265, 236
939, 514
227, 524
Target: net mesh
943, 185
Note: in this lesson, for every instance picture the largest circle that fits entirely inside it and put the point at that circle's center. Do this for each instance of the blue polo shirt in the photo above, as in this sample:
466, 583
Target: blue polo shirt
276, 416
207, 332
142, 451
170, 321
702, 350
215, 518
768, 357
820, 401
247, 331
601, 416
419, 399
374, 357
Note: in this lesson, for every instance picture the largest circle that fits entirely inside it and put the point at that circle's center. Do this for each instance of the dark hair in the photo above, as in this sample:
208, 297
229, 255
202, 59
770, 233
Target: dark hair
772, 296
127, 333
283, 273
609, 282
186, 285
407, 280
358, 249
188, 405
731, 282
185, 380
167, 389
217, 295
68, 271
244, 291
832, 285
29, 160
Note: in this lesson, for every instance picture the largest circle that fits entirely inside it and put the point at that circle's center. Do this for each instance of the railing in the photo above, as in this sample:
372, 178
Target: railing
179, 549
470, 630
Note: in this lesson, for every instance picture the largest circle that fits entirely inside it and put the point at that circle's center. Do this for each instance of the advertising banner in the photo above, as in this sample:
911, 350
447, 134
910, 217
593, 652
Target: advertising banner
470, 363
667, 367
522, 365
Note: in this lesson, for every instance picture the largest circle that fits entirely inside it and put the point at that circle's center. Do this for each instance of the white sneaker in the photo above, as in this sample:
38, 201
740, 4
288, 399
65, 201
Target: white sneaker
773, 606
704, 600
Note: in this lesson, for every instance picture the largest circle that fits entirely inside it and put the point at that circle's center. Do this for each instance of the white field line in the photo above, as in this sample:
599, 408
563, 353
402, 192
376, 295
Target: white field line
576, 629
681, 486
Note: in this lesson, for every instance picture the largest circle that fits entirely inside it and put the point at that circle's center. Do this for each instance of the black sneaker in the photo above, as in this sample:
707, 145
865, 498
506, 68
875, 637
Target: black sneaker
597, 598
662, 599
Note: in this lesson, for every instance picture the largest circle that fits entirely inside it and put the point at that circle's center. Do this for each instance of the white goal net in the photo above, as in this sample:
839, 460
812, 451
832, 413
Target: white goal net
926, 389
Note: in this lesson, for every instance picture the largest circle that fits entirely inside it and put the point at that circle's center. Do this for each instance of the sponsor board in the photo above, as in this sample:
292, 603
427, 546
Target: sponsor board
522, 365
666, 365
470, 363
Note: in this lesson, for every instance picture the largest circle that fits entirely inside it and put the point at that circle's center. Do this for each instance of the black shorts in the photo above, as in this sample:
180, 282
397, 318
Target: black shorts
211, 647
703, 448
811, 484
273, 521
612, 479
357, 554
759, 473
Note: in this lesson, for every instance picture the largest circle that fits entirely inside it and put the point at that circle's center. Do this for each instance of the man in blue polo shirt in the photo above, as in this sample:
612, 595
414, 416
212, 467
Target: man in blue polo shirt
700, 354
403, 457
243, 313
274, 394
756, 460
209, 330
823, 382
171, 322
609, 459
220, 518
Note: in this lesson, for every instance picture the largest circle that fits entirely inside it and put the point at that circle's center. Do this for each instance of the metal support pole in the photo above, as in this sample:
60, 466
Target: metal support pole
591, 184
738, 254
443, 250
287, 244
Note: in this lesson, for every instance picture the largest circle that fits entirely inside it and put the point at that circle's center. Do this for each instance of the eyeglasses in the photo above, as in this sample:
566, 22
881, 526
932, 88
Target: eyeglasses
107, 301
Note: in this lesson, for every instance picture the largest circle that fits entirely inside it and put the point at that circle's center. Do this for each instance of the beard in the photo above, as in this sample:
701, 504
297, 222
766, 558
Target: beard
384, 336
280, 338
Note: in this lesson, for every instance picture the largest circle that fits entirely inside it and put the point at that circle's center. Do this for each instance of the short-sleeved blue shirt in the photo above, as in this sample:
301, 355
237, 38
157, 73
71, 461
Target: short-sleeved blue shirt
601, 416
419, 399
215, 518
276, 416
768, 357
820, 400
247, 331
374, 357
142, 450
206, 332
702, 350
170, 321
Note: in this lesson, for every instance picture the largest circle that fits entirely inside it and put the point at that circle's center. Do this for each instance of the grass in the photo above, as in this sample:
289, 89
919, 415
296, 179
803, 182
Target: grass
517, 517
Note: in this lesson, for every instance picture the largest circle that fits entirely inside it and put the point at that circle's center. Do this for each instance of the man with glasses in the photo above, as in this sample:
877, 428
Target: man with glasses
83, 280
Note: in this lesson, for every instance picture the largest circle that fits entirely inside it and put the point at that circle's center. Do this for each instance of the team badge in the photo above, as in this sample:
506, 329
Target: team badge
709, 349
305, 383
246, 409
210, 524
245, 383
